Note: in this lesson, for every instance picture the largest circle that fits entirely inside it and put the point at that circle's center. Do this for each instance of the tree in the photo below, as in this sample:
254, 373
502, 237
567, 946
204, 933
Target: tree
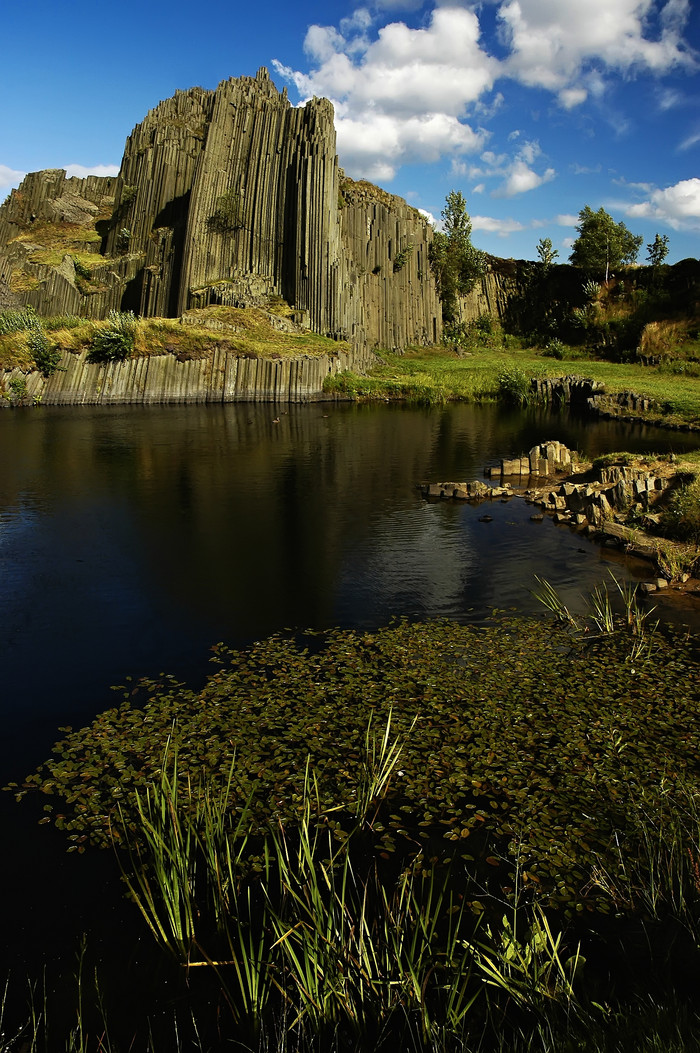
457, 265
546, 253
657, 250
603, 244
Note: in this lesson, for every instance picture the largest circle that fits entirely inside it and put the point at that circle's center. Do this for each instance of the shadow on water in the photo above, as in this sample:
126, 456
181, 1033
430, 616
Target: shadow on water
132, 539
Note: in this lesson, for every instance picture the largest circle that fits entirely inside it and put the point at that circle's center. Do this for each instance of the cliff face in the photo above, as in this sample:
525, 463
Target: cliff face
154, 379
227, 197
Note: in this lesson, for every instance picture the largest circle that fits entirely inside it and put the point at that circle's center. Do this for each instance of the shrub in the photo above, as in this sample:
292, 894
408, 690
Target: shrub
554, 349
18, 389
483, 325
514, 387
81, 270
63, 321
26, 320
226, 217
46, 357
115, 341
17, 321
402, 258
681, 519
123, 240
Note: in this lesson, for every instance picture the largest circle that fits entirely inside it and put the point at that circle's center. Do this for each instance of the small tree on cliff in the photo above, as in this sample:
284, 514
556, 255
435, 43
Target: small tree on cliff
657, 250
457, 265
546, 253
602, 244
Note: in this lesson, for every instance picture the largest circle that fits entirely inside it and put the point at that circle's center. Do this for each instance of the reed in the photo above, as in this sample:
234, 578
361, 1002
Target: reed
323, 931
634, 622
162, 860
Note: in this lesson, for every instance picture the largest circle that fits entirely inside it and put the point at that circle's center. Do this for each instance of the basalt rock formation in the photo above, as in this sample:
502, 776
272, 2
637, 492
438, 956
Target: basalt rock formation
227, 197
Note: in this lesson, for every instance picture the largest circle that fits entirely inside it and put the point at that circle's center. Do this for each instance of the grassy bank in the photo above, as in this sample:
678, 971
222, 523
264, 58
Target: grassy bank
431, 375
29, 342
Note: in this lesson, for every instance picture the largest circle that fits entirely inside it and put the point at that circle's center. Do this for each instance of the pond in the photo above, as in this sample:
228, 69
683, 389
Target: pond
132, 539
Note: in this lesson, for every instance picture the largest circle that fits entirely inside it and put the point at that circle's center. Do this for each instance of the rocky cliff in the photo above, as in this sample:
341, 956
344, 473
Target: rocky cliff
229, 197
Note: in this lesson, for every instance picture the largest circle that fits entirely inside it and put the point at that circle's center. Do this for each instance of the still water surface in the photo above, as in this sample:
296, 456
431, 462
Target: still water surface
132, 539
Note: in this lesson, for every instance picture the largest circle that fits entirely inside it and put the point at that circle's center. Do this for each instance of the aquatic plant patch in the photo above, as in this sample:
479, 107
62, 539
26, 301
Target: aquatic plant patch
519, 740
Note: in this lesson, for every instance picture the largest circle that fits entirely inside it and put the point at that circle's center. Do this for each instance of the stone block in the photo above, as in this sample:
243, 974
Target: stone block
511, 467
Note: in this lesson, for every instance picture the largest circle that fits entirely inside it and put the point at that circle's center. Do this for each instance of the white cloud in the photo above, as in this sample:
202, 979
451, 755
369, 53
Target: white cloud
669, 98
677, 205
564, 220
9, 178
502, 227
82, 170
578, 169
690, 140
571, 97
428, 215
522, 178
516, 173
404, 96
563, 47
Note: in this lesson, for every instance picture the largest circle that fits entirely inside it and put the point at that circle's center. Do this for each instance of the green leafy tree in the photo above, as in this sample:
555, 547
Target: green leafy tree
602, 244
546, 253
457, 265
657, 250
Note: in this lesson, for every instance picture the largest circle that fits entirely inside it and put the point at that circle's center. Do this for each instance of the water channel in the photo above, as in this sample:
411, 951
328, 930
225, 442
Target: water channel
132, 539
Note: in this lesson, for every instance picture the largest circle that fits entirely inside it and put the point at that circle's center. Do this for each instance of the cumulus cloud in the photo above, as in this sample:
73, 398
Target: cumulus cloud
677, 205
406, 93
502, 227
566, 47
403, 96
522, 178
515, 172
564, 220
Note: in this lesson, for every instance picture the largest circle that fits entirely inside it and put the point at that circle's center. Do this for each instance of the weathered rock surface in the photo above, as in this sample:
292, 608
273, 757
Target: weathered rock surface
547, 458
219, 377
229, 197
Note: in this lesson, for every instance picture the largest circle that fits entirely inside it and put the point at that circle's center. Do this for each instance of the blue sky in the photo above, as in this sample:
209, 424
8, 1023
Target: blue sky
532, 108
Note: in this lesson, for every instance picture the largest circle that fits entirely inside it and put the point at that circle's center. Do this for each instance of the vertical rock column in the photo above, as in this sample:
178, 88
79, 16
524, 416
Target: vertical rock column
274, 167
389, 297
153, 192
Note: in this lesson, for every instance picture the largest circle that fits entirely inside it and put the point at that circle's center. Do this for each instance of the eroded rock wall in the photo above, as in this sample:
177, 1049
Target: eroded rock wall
152, 379
388, 294
350, 258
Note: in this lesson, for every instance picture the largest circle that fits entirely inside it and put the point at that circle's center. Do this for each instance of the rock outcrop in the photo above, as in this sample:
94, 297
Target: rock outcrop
221, 376
228, 197
545, 459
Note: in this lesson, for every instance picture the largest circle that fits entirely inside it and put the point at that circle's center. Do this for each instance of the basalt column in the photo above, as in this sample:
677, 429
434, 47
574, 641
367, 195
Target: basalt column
264, 202
153, 194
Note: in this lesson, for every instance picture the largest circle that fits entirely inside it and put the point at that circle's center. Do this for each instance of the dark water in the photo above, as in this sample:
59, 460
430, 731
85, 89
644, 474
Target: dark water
131, 539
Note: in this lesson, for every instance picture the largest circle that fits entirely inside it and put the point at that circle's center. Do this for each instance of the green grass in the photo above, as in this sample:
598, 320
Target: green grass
438, 374
252, 333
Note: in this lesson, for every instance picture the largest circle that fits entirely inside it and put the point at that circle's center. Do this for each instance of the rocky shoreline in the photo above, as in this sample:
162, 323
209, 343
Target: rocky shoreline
598, 501
591, 394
